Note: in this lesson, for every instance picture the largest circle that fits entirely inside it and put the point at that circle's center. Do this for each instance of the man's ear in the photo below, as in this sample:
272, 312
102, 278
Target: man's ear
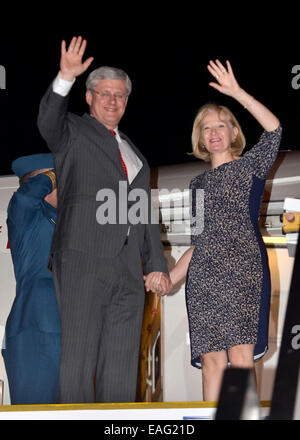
88, 97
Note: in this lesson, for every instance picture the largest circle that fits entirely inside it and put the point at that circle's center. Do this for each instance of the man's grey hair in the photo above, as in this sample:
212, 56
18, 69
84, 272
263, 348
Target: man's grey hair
106, 72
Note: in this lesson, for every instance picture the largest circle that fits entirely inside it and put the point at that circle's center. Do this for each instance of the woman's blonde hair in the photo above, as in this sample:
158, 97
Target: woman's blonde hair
199, 149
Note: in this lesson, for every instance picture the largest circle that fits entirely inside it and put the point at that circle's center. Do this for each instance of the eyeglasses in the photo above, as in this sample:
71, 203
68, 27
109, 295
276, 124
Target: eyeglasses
105, 95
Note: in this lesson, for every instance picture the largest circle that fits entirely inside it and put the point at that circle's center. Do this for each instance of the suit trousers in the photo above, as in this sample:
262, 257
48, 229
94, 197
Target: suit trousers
101, 304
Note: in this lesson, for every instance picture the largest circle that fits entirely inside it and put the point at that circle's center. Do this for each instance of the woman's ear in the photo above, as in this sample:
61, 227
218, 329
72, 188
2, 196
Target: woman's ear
235, 132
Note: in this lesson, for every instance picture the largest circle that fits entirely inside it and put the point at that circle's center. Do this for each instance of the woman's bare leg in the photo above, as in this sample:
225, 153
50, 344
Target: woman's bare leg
241, 356
213, 366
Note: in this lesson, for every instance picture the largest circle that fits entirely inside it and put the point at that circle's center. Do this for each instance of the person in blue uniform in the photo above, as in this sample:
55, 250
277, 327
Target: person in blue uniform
31, 349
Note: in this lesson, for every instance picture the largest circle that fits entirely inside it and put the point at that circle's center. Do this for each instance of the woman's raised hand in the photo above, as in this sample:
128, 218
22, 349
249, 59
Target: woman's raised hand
227, 83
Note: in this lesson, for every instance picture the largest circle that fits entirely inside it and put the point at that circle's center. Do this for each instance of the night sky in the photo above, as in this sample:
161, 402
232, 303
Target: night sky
166, 60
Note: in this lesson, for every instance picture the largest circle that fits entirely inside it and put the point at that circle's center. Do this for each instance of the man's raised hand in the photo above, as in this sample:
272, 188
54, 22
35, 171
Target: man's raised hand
71, 64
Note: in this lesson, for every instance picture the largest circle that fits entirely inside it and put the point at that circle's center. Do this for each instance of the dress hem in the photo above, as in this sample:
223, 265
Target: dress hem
256, 357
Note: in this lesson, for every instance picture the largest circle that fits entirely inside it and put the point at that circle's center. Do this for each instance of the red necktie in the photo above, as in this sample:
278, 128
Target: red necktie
122, 161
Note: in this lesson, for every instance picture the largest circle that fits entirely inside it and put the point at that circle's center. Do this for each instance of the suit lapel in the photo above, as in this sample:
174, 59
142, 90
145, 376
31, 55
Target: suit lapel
106, 142
110, 145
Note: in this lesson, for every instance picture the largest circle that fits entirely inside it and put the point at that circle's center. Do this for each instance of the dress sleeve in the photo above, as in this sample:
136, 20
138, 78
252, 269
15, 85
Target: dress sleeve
262, 156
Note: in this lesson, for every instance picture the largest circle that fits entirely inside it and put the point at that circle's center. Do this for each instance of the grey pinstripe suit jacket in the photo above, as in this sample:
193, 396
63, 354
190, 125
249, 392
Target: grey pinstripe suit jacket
87, 160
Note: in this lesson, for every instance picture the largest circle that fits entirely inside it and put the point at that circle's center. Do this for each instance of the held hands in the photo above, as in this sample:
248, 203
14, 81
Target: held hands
227, 84
71, 64
158, 282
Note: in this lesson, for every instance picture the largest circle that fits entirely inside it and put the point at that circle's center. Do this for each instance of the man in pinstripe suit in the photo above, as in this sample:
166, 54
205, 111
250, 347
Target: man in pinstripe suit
96, 263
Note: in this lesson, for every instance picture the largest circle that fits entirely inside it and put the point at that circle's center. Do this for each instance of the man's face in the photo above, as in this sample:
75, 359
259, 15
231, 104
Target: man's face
108, 101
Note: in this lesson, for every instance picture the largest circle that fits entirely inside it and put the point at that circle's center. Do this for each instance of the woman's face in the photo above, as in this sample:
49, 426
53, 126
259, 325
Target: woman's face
217, 132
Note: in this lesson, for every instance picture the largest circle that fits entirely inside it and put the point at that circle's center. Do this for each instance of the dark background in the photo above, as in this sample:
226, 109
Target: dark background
165, 54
